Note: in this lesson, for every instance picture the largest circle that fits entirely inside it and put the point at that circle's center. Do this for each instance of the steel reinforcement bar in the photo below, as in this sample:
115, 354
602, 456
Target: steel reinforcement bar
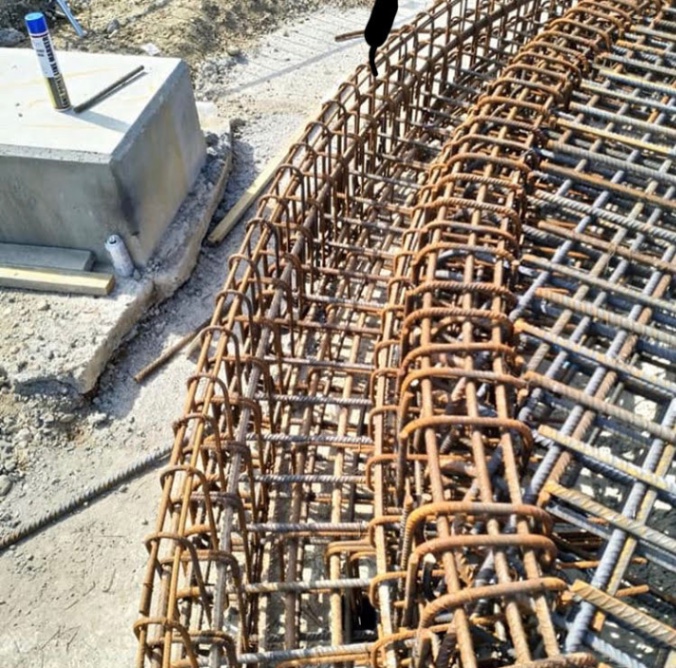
259, 552
597, 321
468, 579
359, 474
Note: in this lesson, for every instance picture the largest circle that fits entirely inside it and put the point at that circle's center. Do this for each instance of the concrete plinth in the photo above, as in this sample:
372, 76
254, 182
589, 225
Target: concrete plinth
122, 167
49, 341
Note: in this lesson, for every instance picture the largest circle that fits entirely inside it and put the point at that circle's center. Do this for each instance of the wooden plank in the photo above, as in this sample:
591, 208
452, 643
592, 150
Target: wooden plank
55, 280
252, 193
245, 201
45, 257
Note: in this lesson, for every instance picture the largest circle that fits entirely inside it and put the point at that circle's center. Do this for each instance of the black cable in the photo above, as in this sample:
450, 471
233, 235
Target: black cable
378, 28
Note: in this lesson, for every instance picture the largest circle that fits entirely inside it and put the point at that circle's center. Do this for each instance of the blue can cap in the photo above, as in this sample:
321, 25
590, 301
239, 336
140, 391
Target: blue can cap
36, 23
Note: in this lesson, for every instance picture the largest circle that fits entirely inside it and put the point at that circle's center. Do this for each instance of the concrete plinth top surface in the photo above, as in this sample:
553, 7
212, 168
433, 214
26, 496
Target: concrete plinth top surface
29, 123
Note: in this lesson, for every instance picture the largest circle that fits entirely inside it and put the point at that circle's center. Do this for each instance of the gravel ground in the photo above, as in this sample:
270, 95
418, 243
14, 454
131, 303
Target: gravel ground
190, 29
69, 595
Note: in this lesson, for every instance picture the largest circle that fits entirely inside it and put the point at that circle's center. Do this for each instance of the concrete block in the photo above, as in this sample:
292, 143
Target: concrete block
123, 167
85, 331
15, 255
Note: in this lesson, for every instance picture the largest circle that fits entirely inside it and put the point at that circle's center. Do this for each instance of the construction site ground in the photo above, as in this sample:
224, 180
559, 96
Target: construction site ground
69, 595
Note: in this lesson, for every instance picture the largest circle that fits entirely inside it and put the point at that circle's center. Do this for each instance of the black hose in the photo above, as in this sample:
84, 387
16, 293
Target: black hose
378, 28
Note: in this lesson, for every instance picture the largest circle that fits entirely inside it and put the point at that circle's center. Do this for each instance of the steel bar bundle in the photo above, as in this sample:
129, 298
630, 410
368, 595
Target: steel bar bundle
431, 422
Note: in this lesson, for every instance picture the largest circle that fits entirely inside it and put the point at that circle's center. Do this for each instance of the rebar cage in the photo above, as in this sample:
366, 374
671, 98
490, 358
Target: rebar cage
431, 422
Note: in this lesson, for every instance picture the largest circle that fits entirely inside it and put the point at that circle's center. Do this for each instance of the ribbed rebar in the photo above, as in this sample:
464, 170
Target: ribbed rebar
432, 420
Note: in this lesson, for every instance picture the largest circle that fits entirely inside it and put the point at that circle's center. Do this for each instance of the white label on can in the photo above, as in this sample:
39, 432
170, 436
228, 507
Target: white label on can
42, 44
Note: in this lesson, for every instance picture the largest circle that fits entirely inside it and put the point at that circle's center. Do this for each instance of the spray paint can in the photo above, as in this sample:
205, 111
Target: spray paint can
119, 255
44, 49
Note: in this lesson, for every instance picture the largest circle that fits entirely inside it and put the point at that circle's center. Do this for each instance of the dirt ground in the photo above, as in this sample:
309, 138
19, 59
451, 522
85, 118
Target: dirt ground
188, 29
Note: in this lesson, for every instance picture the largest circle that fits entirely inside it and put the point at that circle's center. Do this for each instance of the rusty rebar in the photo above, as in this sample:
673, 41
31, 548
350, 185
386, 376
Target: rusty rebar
428, 349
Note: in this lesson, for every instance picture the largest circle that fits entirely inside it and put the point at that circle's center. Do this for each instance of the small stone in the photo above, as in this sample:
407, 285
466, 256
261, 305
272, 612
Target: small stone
5, 485
10, 37
24, 436
10, 466
136, 275
43, 305
234, 52
67, 418
211, 138
98, 419
113, 27
150, 49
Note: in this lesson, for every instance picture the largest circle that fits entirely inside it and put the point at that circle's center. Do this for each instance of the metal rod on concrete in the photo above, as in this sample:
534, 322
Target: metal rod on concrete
109, 90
